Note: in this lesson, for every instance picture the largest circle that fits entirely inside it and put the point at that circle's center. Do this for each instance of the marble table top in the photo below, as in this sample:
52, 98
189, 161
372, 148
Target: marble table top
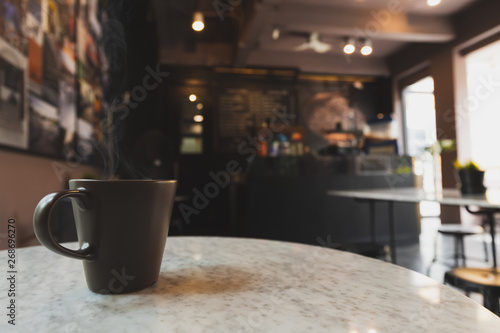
210, 284
410, 194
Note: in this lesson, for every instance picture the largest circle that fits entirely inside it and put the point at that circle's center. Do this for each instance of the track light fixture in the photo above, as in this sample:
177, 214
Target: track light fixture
198, 21
367, 48
350, 45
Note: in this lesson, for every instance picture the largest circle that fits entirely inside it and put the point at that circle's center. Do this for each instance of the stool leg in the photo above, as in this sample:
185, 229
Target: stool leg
462, 245
486, 258
484, 223
456, 244
491, 301
435, 255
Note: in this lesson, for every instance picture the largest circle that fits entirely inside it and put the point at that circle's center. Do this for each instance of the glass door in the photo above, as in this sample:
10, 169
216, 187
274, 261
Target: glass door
420, 134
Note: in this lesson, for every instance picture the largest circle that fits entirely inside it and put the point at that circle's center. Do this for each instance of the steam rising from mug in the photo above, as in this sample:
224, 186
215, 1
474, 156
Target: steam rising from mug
121, 18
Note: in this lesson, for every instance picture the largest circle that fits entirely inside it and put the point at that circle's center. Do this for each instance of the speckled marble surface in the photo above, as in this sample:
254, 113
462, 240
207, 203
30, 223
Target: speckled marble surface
242, 285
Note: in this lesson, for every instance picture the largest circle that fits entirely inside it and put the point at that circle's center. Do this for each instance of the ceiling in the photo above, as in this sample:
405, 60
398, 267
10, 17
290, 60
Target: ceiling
241, 34
409, 6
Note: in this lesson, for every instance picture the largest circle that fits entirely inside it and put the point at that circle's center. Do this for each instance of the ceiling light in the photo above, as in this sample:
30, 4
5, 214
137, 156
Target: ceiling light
433, 3
198, 21
192, 97
276, 33
198, 118
367, 48
358, 85
350, 47
199, 106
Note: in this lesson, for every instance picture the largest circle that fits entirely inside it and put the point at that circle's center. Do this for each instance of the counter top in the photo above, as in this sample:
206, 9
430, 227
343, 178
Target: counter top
210, 284
491, 199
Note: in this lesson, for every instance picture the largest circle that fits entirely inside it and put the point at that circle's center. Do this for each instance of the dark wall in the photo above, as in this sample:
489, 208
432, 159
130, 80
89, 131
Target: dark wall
365, 96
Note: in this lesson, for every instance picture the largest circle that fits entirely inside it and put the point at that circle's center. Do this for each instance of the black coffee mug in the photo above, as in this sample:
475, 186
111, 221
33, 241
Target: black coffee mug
122, 227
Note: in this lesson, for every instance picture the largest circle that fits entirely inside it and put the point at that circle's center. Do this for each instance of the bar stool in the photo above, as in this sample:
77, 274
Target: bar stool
458, 232
485, 281
481, 280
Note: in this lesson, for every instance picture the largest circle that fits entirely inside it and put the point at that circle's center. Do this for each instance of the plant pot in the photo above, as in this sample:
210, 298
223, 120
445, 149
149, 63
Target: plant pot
471, 181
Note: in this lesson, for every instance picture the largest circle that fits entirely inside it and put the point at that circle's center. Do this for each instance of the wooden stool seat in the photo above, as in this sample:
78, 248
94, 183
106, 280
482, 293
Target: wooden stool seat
480, 276
482, 280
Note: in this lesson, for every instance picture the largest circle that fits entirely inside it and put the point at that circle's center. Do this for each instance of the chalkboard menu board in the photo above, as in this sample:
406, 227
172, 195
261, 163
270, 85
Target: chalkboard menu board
241, 110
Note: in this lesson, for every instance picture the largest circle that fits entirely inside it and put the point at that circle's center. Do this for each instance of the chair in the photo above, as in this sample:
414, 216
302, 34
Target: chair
485, 281
458, 232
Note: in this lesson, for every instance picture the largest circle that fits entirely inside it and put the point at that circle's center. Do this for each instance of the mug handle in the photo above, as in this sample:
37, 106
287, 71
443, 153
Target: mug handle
42, 223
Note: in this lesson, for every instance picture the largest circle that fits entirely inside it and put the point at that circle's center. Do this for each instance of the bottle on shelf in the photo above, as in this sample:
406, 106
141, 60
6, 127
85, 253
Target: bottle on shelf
297, 147
284, 145
274, 149
264, 138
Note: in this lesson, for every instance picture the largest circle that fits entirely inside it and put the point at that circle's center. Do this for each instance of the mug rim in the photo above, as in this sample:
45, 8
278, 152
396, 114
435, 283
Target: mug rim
124, 180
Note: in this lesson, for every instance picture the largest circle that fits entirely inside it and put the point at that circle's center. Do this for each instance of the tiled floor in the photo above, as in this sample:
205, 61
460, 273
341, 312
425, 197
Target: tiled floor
419, 257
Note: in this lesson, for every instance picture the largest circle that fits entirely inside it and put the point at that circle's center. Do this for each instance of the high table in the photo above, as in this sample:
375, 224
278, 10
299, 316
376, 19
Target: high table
488, 204
210, 284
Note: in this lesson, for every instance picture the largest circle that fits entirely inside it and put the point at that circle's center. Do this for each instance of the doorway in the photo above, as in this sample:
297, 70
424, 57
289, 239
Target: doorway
419, 122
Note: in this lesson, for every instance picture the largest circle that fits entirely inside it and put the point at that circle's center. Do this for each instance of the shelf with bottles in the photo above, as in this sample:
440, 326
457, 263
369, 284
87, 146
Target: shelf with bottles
281, 141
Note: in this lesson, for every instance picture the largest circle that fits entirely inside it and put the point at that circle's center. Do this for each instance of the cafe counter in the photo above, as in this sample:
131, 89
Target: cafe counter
295, 207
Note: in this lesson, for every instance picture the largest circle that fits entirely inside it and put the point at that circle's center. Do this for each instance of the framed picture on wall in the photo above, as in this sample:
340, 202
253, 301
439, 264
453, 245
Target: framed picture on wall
50, 77
46, 135
13, 116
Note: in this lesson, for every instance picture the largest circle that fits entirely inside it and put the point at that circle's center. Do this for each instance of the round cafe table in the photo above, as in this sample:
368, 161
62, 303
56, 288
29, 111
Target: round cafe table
210, 284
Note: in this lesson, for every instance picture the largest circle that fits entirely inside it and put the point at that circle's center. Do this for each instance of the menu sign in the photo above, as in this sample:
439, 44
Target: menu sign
241, 110
234, 113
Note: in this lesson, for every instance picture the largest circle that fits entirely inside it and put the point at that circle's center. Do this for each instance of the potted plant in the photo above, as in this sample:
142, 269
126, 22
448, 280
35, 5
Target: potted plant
471, 178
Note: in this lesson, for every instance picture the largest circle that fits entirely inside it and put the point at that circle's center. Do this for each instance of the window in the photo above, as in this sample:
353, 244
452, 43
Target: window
481, 110
420, 116
420, 133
